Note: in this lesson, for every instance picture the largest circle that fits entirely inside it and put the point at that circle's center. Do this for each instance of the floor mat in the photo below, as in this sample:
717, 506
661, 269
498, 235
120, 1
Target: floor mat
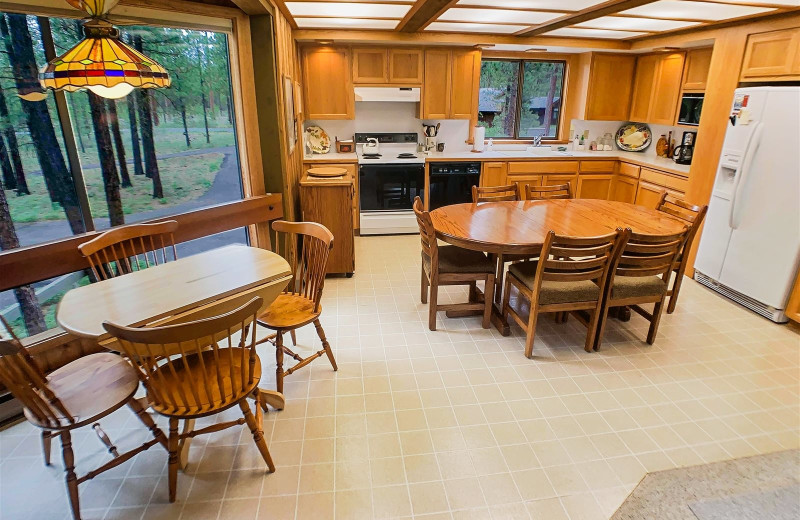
775, 504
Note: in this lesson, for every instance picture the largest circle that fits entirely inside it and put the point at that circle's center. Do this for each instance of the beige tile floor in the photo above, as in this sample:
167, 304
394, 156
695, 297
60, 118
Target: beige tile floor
455, 423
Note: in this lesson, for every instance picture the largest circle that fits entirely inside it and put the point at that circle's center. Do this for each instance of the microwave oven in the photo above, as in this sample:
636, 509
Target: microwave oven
691, 106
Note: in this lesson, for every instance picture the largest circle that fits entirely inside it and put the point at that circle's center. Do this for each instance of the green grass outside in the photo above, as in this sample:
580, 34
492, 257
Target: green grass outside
183, 179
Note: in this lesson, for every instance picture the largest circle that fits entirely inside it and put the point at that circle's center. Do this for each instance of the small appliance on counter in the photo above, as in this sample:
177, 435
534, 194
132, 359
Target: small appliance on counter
683, 153
346, 146
430, 132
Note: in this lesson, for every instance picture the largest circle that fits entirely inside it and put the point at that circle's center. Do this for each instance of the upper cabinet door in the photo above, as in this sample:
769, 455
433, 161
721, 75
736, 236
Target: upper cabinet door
666, 89
328, 84
695, 75
465, 79
643, 86
437, 81
610, 82
771, 54
405, 66
370, 65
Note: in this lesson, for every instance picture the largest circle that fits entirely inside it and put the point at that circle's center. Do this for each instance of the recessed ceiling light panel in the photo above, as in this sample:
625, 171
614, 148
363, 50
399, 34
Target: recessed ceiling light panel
344, 23
474, 27
462, 14
674, 9
627, 23
347, 9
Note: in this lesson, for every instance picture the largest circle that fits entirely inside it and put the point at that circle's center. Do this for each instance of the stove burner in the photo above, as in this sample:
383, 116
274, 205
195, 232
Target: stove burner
406, 156
371, 155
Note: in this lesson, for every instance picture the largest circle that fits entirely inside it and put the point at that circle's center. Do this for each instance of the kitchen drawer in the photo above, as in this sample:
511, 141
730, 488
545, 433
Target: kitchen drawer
542, 167
597, 166
653, 176
629, 170
676, 183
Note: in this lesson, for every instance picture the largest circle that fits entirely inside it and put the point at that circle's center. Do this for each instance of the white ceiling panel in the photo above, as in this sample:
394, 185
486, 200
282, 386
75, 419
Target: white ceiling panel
462, 14
347, 9
562, 5
629, 23
475, 27
674, 9
592, 33
345, 23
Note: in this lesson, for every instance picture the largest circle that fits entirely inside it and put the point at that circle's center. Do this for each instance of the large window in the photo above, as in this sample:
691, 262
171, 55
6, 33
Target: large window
521, 99
97, 163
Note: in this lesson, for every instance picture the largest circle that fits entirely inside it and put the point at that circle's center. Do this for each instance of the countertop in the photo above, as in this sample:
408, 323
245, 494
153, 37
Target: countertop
658, 163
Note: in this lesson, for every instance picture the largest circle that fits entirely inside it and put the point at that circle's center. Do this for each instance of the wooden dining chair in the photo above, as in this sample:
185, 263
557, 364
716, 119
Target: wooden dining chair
451, 265
78, 394
556, 191
569, 276
299, 304
640, 275
197, 369
125, 249
510, 192
495, 193
693, 215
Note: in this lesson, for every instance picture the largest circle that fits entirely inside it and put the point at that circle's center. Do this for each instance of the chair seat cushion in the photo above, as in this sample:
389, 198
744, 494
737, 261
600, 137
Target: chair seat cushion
190, 380
289, 311
91, 386
637, 286
552, 292
453, 259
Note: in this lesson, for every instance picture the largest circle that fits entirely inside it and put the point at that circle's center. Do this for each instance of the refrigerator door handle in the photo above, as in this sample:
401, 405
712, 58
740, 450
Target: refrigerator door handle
741, 177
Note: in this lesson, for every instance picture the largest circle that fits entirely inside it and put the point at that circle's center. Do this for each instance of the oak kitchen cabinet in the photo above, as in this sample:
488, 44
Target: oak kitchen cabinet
594, 181
657, 88
352, 174
609, 87
772, 55
328, 86
494, 174
623, 188
328, 202
382, 65
695, 69
450, 84
537, 173
653, 183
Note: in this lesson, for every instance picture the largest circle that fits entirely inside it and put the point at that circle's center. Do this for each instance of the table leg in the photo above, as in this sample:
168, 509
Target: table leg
477, 296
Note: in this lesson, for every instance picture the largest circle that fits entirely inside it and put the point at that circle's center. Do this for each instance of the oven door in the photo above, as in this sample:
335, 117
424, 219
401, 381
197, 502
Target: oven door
390, 187
452, 188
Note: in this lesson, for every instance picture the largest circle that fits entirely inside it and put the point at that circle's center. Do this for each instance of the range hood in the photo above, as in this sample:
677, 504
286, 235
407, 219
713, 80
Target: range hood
387, 94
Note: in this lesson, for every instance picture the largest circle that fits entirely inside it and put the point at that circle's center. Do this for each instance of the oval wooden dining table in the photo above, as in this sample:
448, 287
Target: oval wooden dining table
520, 227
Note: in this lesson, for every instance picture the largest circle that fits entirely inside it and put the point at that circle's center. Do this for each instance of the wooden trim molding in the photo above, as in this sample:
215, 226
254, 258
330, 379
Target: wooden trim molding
422, 13
590, 13
33, 264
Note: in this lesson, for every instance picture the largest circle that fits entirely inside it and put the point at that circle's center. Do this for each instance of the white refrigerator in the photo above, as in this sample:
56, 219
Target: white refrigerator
750, 247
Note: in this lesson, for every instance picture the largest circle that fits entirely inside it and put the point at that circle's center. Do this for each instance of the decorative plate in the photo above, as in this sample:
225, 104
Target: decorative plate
318, 140
634, 137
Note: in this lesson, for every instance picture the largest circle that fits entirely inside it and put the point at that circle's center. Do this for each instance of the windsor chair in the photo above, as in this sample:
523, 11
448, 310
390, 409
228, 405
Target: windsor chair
556, 191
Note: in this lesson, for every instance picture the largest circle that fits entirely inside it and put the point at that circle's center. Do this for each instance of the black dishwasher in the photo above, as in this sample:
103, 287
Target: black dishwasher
451, 183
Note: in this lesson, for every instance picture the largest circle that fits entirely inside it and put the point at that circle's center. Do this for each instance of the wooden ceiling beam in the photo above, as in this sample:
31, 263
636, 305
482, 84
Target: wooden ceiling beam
590, 13
254, 7
455, 39
422, 13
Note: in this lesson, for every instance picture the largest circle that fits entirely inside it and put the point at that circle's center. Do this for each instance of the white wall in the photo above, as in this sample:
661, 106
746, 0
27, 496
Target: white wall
599, 128
395, 118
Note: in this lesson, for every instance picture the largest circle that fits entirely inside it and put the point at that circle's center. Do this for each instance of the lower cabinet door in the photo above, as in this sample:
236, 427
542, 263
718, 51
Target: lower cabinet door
494, 174
522, 180
594, 186
648, 195
624, 189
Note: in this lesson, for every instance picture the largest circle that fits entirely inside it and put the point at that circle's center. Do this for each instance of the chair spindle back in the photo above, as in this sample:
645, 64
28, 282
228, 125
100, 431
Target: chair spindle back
20, 374
307, 246
427, 233
692, 214
649, 255
495, 193
572, 259
556, 191
125, 249
165, 356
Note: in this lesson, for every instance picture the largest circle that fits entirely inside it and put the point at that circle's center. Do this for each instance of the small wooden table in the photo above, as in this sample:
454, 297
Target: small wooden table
191, 288
521, 227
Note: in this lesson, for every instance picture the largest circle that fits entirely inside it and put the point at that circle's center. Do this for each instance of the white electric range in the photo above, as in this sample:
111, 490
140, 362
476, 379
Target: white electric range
389, 180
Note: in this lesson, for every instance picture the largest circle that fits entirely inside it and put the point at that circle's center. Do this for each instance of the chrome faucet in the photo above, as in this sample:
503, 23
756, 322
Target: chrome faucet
537, 140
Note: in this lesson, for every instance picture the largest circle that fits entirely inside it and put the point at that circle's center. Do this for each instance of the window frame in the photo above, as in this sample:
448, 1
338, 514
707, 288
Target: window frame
518, 108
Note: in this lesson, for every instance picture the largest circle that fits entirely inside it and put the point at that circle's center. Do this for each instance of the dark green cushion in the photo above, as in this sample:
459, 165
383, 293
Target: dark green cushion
637, 286
556, 292
453, 259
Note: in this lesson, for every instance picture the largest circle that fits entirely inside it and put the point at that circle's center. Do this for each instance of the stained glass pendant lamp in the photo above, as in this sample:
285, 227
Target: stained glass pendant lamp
101, 62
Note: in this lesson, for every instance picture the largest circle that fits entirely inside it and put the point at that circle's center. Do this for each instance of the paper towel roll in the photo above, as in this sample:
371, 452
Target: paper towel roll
478, 136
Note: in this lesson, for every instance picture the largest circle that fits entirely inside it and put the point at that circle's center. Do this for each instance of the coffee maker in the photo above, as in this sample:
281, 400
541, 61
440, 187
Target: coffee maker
684, 152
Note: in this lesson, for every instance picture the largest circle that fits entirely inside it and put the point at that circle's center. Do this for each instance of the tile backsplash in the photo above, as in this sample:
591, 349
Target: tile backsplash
599, 128
395, 117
